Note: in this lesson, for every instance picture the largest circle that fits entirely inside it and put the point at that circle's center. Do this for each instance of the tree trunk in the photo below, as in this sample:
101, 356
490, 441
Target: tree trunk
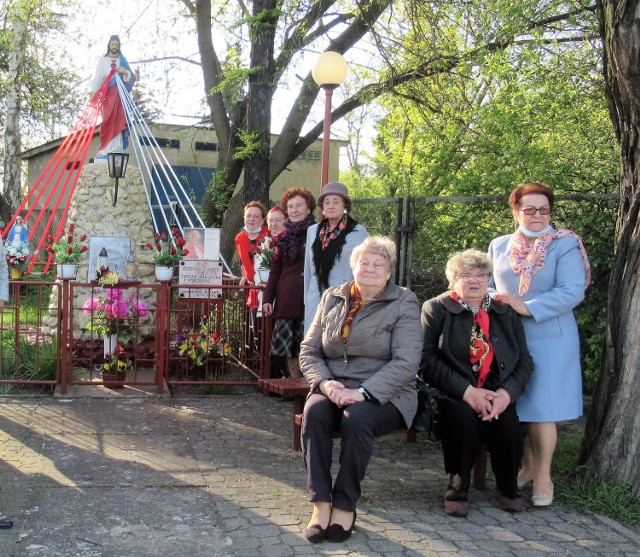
611, 445
11, 183
259, 99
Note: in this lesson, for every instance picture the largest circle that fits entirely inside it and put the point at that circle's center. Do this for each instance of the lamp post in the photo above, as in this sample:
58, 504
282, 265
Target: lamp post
118, 161
329, 72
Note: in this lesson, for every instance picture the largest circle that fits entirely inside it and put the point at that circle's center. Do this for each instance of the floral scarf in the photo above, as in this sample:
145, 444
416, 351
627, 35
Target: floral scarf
480, 349
294, 235
527, 260
327, 248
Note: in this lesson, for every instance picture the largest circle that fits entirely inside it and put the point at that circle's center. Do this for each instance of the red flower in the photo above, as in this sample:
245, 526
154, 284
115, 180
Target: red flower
173, 251
83, 249
83, 237
70, 238
50, 238
175, 231
156, 236
149, 246
185, 252
159, 246
70, 250
72, 227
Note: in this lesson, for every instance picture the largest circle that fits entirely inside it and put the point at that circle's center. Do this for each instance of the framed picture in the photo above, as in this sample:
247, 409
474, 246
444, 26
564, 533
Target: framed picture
202, 243
117, 248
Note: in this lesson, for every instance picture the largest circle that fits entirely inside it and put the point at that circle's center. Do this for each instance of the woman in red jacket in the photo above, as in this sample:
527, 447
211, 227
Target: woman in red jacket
283, 297
247, 242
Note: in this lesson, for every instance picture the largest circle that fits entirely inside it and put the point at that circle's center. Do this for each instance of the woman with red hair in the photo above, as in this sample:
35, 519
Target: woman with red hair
283, 297
542, 273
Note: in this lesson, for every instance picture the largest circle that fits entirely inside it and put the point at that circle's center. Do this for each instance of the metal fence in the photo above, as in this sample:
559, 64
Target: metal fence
57, 333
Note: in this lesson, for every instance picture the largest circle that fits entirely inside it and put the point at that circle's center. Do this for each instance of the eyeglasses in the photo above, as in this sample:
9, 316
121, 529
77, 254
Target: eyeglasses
478, 278
533, 210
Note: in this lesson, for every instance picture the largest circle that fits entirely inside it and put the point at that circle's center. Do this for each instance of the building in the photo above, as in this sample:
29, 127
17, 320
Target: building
193, 153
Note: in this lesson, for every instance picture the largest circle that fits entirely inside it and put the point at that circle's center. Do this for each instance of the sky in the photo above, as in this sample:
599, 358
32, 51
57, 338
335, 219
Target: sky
148, 30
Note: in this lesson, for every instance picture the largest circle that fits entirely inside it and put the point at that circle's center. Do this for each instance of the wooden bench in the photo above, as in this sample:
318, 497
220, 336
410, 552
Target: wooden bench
298, 389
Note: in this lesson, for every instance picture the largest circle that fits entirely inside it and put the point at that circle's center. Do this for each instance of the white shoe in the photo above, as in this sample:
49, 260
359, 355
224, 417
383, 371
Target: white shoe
541, 501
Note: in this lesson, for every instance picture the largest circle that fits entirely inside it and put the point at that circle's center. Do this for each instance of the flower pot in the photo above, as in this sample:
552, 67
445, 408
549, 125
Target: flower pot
263, 275
163, 274
15, 273
110, 343
113, 380
67, 271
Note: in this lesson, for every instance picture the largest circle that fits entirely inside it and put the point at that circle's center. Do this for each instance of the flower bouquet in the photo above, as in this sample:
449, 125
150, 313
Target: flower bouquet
113, 314
67, 249
17, 256
267, 252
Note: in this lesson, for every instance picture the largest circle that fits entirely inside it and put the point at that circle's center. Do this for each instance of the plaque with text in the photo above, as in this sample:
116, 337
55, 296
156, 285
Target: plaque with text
199, 273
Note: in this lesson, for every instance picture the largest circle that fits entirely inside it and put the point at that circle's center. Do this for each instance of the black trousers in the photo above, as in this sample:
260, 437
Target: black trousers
358, 424
462, 432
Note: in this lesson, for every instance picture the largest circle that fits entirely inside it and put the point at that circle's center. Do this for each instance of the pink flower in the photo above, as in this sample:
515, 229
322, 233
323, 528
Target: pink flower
90, 305
140, 308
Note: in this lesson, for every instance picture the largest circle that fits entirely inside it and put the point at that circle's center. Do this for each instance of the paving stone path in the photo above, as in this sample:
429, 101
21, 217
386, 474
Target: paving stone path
206, 476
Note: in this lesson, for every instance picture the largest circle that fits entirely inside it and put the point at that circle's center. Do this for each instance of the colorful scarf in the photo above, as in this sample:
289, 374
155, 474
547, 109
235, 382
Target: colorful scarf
527, 260
355, 305
480, 349
327, 248
294, 235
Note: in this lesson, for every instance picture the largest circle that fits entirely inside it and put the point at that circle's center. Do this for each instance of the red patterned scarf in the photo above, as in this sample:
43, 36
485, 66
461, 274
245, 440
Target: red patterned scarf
480, 349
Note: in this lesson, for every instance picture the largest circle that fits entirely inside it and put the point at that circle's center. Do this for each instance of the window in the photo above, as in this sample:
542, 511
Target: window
206, 146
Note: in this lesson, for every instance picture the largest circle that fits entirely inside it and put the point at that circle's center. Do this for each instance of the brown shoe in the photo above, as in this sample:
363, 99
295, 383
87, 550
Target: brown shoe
456, 502
515, 505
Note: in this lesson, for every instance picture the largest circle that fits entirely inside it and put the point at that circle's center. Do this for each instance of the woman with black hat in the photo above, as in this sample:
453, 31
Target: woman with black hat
329, 247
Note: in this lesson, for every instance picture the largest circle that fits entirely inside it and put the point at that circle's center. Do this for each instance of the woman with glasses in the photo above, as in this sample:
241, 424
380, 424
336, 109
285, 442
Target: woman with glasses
542, 273
474, 351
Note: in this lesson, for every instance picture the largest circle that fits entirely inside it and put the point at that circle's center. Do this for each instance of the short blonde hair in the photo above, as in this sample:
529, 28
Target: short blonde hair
377, 245
467, 260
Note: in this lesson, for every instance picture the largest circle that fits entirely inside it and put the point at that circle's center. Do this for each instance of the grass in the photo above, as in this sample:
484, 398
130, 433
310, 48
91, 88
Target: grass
591, 496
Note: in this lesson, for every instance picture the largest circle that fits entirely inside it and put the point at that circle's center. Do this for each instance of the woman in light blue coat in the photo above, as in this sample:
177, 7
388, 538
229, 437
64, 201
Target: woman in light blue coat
329, 247
542, 273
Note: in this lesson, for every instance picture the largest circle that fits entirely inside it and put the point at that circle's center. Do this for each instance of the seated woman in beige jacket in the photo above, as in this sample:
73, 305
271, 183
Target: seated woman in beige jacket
361, 356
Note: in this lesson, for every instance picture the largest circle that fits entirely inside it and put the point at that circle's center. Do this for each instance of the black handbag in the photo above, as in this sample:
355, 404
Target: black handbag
429, 401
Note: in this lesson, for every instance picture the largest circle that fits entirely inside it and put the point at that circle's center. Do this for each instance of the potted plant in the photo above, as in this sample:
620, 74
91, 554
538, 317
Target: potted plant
114, 368
168, 251
113, 316
202, 344
67, 251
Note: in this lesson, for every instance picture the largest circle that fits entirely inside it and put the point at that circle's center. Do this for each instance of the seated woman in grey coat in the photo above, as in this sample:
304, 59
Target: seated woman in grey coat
475, 353
360, 356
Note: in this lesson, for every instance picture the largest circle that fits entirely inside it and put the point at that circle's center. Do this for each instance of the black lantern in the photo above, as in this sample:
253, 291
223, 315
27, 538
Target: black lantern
118, 161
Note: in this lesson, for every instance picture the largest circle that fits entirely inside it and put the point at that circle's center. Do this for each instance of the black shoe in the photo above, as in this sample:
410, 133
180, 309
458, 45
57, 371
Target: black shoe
5, 521
315, 533
337, 534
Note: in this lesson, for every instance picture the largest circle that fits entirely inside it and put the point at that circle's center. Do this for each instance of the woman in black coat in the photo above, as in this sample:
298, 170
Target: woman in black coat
474, 351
